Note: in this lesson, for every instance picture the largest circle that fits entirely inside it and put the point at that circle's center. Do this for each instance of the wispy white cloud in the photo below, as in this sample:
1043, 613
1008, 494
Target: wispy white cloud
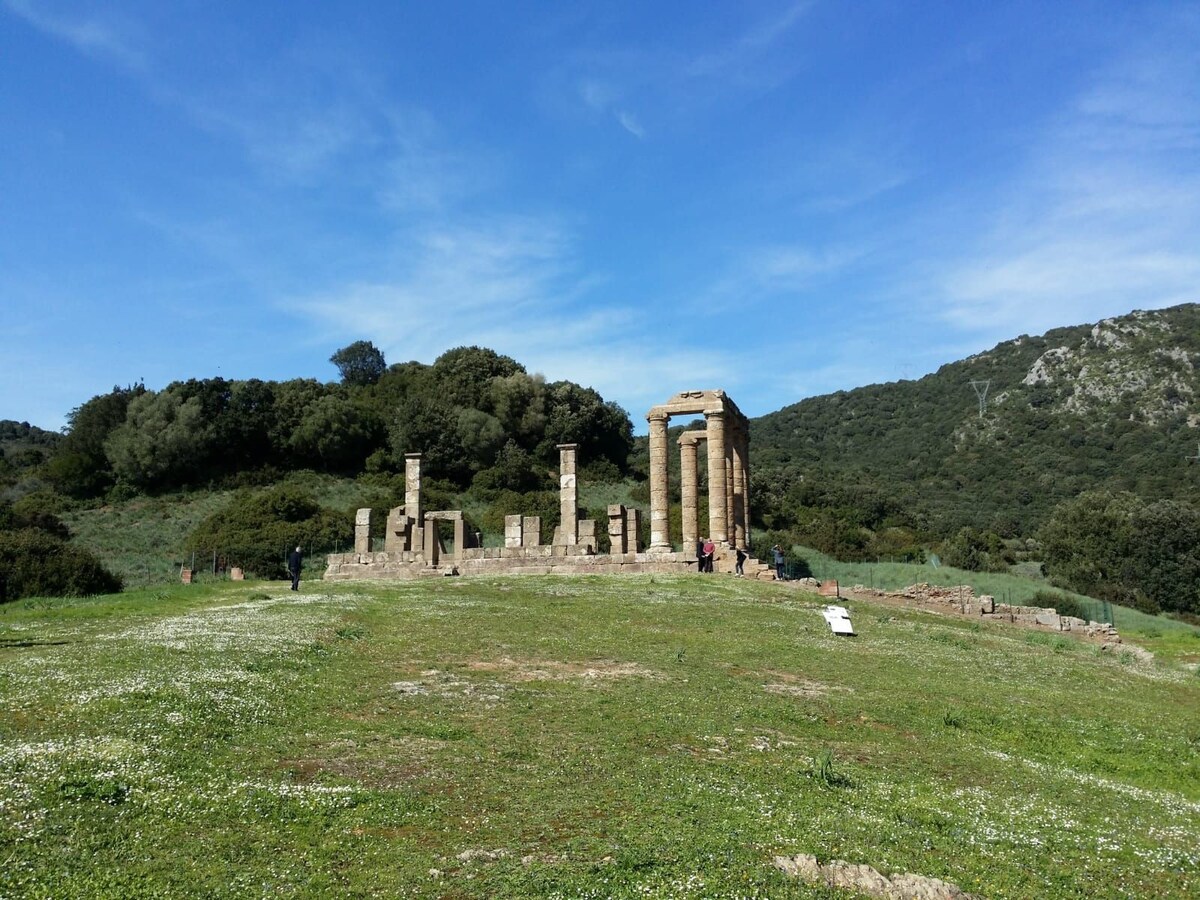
747, 48
99, 33
605, 99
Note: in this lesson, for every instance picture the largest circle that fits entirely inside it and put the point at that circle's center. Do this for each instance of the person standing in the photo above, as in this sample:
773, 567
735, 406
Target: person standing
699, 554
742, 553
778, 554
710, 550
295, 560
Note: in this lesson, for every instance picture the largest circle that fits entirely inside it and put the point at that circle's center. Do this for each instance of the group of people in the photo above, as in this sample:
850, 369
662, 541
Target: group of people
705, 549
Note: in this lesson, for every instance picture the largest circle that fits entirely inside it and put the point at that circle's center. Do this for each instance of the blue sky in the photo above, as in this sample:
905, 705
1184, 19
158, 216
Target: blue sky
781, 199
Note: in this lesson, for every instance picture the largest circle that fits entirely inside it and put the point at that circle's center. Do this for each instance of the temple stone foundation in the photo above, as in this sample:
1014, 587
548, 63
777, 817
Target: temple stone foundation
414, 548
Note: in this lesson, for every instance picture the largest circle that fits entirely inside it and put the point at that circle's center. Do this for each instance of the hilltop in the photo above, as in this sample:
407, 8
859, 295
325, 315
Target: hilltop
1109, 405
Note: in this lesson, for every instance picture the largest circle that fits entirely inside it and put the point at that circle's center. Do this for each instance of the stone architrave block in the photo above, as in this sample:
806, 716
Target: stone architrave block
531, 531
513, 529
362, 530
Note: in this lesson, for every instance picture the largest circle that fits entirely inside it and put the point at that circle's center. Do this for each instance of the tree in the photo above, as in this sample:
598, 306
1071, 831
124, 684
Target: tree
334, 435
1087, 544
360, 363
81, 467
1166, 567
463, 376
164, 441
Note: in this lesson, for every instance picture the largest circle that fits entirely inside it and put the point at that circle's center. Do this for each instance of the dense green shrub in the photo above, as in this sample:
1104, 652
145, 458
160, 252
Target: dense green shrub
36, 563
256, 530
1117, 547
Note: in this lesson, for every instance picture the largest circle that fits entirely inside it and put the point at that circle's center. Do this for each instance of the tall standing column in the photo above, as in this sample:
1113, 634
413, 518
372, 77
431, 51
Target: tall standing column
739, 489
412, 486
412, 501
746, 482
687, 488
660, 520
717, 482
568, 494
730, 517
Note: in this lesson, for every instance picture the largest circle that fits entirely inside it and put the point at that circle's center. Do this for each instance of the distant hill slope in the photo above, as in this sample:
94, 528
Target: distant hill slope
1107, 405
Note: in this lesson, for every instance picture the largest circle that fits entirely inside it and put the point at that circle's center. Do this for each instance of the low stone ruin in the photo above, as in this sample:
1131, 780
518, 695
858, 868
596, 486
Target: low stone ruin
413, 546
962, 599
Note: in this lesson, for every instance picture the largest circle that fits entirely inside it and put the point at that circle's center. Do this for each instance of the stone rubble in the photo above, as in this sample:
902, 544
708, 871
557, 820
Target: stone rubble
867, 880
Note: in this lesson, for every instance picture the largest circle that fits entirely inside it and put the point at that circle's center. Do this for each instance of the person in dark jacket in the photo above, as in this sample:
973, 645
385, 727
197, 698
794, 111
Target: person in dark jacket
699, 554
742, 554
295, 559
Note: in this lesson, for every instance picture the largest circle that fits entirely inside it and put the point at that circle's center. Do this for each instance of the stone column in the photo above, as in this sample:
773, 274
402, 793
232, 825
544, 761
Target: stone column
412, 500
739, 489
660, 518
745, 460
568, 494
730, 521
460, 537
616, 529
362, 530
433, 544
717, 485
514, 527
633, 530
688, 462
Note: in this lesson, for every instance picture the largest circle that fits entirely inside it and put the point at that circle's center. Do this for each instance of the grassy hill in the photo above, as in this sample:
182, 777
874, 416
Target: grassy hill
1107, 405
583, 737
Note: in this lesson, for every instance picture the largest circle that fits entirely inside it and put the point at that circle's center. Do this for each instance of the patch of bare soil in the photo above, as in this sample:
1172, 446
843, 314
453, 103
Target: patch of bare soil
555, 670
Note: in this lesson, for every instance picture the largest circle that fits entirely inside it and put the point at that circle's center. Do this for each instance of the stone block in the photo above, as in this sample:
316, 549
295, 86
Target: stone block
987, 604
513, 531
531, 531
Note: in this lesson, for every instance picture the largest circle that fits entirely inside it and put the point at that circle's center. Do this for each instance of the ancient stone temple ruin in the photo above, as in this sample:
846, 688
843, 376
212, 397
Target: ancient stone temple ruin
413, 546
726, 436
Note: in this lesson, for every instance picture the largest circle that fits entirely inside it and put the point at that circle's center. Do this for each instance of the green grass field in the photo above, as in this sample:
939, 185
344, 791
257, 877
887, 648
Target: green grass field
1159, 634
574, 737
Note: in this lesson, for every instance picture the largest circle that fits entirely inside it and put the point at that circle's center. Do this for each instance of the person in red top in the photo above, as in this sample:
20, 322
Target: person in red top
709, 549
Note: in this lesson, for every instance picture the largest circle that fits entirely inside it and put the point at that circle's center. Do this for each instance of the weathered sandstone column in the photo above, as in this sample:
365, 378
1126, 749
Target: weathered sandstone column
460, 537
740, 520
568, 494
717, 483
616, 529
745, 485
412, 500
362, 530
660, 520
730, 521
688, 462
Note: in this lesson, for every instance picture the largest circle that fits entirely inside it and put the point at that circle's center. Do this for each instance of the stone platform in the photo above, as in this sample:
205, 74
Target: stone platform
536, 560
